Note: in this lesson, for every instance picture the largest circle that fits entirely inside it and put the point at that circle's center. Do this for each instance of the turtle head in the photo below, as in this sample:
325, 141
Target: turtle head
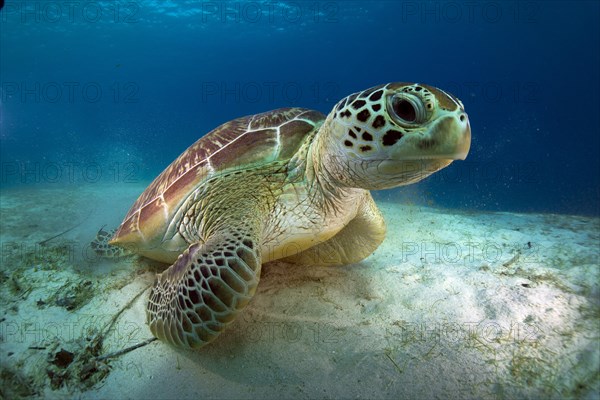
393, 135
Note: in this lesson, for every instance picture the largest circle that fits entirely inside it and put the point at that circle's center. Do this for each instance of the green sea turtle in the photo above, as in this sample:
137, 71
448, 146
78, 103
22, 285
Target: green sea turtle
289, 184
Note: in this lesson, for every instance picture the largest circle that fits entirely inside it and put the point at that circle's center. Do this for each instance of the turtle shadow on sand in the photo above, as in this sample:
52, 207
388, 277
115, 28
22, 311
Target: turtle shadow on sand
295, 308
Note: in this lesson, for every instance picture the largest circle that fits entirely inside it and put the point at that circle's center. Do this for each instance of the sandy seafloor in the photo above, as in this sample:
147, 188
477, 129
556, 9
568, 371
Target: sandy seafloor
452, 305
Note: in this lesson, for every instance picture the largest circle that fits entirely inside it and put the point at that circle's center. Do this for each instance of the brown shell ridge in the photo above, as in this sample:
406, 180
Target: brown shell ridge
269, 136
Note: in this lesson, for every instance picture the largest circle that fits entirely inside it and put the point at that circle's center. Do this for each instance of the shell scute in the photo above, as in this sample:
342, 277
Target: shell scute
240, 143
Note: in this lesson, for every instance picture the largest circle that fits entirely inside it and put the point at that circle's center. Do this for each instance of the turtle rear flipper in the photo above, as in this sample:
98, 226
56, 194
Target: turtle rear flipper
103, 249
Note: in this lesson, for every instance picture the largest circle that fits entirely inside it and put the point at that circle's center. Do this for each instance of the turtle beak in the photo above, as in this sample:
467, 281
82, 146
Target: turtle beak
463, 137
449, 138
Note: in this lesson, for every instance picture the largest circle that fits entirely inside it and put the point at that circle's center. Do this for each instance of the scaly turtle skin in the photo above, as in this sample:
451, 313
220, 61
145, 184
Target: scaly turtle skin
287, 184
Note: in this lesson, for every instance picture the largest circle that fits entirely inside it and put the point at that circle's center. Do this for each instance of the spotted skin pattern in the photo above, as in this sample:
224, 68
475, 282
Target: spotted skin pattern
362, 113
291, 184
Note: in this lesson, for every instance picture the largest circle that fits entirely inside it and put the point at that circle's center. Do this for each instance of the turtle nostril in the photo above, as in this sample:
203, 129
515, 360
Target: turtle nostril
462, 117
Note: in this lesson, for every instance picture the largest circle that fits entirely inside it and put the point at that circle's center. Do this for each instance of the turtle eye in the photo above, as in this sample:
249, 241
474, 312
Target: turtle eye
407, 109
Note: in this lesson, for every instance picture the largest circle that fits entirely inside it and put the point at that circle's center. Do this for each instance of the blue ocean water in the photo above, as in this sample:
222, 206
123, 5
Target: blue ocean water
115, 90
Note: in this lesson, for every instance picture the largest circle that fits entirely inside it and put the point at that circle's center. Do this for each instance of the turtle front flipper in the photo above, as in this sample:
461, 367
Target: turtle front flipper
203, 291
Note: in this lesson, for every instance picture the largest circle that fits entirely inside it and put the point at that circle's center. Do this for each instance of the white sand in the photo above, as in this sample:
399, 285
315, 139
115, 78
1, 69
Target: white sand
452, 305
